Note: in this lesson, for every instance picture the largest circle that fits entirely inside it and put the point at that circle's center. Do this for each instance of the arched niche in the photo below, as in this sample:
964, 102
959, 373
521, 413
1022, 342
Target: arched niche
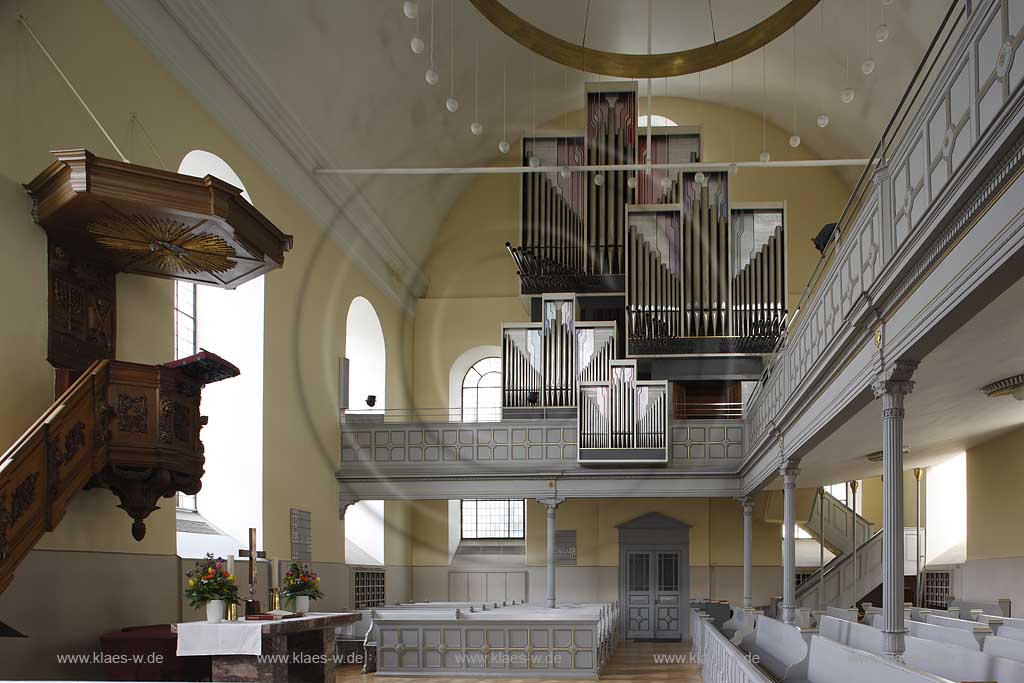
367, 357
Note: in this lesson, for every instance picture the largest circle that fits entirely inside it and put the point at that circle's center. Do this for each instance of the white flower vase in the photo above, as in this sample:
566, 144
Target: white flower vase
302, 603
215, 611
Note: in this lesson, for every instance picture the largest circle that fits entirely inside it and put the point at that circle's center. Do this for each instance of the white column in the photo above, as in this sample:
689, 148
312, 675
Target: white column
917, 535
892, 390
748, 543
551, 504
789, 473
856, 542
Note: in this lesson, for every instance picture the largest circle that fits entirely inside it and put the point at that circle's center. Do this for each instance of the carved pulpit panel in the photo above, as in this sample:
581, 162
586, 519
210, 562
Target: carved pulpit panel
82, 310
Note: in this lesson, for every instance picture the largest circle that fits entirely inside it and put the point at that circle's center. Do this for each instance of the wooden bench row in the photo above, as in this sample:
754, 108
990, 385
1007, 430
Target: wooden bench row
592, 631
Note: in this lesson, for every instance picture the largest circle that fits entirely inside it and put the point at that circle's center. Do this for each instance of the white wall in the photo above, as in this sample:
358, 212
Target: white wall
364, 527
947, 522
364, 347
992, 579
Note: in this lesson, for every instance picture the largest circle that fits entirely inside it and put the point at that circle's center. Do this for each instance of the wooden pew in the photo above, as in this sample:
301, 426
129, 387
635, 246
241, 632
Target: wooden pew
940, 659
370, 643
840, 613
921, 613
942, 634
998, 607
1004, 647
979, 631
831, 662
1004, 627
778, 646
1011, 633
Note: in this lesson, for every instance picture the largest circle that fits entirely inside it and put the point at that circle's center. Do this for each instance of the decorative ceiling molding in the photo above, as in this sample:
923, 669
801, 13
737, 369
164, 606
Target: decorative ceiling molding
192, 44
1008, 386
627, 65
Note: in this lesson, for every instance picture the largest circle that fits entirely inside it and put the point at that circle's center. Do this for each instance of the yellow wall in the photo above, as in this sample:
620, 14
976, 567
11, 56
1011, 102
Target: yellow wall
871, 500
416, 533
306, 303
398, 533
469, 267
995, 470
716, 533
447, 327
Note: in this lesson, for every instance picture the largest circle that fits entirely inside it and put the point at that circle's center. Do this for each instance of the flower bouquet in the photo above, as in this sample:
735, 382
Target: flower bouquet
302, 585
211, 585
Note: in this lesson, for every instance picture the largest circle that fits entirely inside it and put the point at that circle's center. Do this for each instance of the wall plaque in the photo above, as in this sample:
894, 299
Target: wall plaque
302, 535
565, 547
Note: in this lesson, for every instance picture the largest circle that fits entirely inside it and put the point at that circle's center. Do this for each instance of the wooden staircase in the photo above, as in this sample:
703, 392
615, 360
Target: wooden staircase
128, 427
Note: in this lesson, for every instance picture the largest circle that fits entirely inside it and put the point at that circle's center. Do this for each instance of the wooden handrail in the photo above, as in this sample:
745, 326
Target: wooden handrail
54, 410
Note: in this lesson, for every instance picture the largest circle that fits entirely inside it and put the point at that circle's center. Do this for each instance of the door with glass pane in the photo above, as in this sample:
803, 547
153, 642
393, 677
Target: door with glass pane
667, 594
639, 595
653, 594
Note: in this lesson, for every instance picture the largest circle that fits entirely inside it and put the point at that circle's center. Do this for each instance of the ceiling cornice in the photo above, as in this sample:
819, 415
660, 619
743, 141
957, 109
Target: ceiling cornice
191, 43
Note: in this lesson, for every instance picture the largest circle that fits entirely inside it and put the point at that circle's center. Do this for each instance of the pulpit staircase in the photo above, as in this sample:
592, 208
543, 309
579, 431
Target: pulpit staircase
127, 427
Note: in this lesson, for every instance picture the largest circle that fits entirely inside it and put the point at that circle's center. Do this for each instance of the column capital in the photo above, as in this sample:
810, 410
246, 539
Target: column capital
895, 379
789, 470
551, 502
748, 504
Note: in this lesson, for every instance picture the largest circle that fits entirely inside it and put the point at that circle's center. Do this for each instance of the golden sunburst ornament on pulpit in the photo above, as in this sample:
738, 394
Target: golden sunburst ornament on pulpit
167, 244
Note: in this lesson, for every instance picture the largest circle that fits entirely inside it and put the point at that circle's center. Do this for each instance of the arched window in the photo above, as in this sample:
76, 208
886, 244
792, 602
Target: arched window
230, 324
481, 391
656, 120
367, 358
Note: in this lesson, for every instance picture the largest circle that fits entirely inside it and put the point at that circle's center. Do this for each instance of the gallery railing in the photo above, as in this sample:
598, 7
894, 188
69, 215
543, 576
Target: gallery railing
720, 410
940, 118
721, 661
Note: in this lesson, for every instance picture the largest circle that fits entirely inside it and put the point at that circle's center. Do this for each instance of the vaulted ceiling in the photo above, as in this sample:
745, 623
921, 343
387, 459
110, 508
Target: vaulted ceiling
338, 86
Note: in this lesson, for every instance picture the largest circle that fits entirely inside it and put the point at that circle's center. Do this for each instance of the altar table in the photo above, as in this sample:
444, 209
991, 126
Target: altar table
285, 650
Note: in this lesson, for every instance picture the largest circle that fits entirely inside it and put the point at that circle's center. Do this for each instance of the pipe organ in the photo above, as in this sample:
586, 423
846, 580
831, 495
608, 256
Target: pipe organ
626, 269
553, 253
667, 246
611, 140
544, 363
759, 293
623, 420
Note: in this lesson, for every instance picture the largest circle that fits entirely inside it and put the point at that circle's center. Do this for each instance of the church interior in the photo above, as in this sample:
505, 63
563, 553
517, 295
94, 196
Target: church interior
627, 340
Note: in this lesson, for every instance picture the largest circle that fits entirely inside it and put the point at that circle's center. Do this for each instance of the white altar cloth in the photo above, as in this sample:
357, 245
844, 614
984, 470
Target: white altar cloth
225, 638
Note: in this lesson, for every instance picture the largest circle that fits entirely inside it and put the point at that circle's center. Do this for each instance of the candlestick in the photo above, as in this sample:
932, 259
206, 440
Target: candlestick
231, 565
273, 573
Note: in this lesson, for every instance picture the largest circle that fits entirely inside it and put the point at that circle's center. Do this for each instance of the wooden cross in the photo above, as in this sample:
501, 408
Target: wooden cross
252, 605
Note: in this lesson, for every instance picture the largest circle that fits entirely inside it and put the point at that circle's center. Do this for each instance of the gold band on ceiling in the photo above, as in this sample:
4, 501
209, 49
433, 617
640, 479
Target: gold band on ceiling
643, 66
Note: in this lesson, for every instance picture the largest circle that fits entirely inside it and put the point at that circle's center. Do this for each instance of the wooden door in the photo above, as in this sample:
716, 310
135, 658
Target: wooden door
668, 608
640, 597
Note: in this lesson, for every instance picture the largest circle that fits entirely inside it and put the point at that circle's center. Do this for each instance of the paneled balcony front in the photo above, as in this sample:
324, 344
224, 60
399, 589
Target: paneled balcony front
383, 455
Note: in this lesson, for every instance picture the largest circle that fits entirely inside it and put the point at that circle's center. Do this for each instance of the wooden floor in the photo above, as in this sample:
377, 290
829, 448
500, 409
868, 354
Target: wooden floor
631, 662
